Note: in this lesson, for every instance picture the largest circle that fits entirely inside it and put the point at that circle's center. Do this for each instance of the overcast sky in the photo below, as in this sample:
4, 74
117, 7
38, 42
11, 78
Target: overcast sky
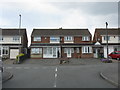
58, 13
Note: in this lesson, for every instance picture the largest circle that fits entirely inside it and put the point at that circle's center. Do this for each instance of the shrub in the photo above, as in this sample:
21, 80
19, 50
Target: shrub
106, 60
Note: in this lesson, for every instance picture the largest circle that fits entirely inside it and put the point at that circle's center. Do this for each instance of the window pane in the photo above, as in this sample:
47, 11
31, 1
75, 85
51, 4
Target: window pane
37, 38
77, 50
44, 50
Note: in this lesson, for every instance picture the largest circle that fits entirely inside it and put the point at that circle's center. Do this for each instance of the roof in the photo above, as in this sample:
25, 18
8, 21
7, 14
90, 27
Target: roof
60, 32
111, 31
13, 31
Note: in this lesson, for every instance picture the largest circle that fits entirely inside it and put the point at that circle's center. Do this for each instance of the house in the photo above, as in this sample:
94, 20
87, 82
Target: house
61, 43
13, 41
100, 41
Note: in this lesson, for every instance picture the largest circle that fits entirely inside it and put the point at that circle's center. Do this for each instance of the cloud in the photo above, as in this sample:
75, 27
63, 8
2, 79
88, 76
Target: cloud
66, 14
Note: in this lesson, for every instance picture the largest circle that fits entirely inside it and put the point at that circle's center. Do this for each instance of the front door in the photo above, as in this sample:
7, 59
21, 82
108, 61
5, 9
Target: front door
69, 52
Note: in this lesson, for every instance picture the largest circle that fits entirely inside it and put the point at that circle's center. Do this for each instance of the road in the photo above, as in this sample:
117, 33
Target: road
36, 76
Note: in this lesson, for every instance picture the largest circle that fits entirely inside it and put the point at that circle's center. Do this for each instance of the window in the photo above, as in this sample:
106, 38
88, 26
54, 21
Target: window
1, 38
16, 38
65, 50
5, 50
105, 38
37, 38
36, 50
0, 50
54, 39
48, 51
77, 50
85, 38
119, 37
68, 38
86, 49
72, 50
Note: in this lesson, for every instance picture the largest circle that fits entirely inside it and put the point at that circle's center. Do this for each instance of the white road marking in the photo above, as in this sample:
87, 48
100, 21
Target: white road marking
54, 85
18, 67
55, 77
56, 69
26, 67
35, 67
8, 67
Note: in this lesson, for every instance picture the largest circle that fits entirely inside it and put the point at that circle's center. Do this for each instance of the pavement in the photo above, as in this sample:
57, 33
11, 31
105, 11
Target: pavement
110, 74
6, 76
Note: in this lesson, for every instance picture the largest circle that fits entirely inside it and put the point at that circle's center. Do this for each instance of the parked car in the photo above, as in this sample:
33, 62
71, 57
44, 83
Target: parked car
115, 55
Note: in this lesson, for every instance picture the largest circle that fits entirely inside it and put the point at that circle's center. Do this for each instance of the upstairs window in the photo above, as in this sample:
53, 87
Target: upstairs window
16, 38
37, 38
85, 38
68, 38
105, 38
54, 39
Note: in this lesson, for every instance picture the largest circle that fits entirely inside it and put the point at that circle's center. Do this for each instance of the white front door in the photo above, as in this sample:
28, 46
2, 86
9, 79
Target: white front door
96, 53
68, 52
14, 53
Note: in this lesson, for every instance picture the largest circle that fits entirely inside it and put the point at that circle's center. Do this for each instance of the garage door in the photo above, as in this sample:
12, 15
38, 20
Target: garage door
14, 53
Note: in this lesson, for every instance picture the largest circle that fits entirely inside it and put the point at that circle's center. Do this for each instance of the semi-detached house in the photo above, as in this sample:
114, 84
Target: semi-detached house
100, 41
61, 43
13, 41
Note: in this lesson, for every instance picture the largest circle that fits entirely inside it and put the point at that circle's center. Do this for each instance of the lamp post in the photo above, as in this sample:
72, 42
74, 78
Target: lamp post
19, 30
107, 39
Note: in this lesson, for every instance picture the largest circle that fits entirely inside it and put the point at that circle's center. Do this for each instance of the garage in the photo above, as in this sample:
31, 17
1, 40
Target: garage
14, 53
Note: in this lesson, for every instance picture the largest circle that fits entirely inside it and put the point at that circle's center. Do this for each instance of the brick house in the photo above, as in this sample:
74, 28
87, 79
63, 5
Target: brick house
13, 41
61, 43
100, 40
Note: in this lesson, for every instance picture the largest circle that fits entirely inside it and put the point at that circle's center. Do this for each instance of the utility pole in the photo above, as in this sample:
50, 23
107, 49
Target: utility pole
107, 38
19, 31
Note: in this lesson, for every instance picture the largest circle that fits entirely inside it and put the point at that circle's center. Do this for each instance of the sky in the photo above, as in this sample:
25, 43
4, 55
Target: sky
79, 14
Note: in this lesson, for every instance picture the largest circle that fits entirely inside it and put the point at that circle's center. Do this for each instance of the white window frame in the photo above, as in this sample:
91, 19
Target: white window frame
77, 50
0, 51
68, 38
5, 52
105, 38
86, 49
119, 38
72, 50
65, 50
85, 38
36, 50
37, 38
16, 38
54, 39
1, 38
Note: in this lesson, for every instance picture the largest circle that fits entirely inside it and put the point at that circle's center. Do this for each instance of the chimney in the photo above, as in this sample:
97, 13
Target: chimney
60, 28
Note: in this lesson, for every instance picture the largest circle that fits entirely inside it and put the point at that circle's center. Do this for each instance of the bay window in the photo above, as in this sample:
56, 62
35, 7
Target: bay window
36, 50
